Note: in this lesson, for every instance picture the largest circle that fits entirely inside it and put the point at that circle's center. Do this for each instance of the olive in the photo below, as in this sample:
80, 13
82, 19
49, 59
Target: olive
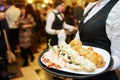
77, 64
63, 54
69, 57
70, 62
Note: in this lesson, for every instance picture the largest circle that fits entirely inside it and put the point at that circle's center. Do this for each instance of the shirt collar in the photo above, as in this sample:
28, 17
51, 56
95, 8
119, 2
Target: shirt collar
12, 6
102, 2
56, 11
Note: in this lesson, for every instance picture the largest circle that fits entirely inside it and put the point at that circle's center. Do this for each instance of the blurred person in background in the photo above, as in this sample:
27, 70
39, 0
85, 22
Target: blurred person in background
55, 24
6, 5
26, 24
12, 16
39, 27
77, 12
4, 74
3, 50
68, 13
32, 12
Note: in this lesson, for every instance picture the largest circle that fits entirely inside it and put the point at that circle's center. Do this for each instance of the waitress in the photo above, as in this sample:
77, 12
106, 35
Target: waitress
100, 27
55, 24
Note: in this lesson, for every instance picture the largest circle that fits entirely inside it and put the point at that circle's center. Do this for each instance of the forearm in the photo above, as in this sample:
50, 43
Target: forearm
69, 27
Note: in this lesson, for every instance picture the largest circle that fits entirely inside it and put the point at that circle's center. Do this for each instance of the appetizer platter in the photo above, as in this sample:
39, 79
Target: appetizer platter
75, 59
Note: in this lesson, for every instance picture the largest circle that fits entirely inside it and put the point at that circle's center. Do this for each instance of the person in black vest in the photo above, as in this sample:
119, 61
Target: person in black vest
55, 24
100, 27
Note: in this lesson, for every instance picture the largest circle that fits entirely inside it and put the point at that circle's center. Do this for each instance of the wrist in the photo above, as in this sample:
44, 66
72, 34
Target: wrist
55, 32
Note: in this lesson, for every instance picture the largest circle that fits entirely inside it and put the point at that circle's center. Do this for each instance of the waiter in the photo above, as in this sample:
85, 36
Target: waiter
100, 27
55, 24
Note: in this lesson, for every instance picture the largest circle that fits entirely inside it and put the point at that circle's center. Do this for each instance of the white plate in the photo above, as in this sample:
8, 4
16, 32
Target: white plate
100, 51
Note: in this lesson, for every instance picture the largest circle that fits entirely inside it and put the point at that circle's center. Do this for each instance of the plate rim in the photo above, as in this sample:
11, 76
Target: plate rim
70, 75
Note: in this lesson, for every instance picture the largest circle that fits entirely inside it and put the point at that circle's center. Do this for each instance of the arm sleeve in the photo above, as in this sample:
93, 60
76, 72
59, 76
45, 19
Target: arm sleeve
67, 26
49, 22
113, 32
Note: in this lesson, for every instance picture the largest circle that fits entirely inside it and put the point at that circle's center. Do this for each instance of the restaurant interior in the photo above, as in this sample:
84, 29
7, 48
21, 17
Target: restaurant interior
34, 71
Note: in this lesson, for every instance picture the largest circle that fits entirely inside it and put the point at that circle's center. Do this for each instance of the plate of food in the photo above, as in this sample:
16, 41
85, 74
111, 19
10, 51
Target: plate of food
76, 58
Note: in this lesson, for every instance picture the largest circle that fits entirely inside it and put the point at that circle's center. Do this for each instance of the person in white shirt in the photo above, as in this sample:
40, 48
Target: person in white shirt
12, 16
55, 24
100, 27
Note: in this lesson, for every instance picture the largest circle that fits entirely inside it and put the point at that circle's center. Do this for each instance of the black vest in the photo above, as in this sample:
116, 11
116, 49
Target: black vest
57, 25
93, 32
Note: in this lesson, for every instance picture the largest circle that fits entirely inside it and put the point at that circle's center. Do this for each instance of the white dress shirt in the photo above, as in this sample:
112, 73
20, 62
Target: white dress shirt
112, 27
12, 16
50, 20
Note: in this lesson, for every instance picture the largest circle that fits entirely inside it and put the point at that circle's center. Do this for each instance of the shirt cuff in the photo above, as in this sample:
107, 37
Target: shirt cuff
116, 64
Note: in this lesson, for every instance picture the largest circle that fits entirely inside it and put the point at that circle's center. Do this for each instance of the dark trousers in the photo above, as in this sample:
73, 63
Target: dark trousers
3, 50
13, 38
3, 59
53, 40
25, 53
4, 75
